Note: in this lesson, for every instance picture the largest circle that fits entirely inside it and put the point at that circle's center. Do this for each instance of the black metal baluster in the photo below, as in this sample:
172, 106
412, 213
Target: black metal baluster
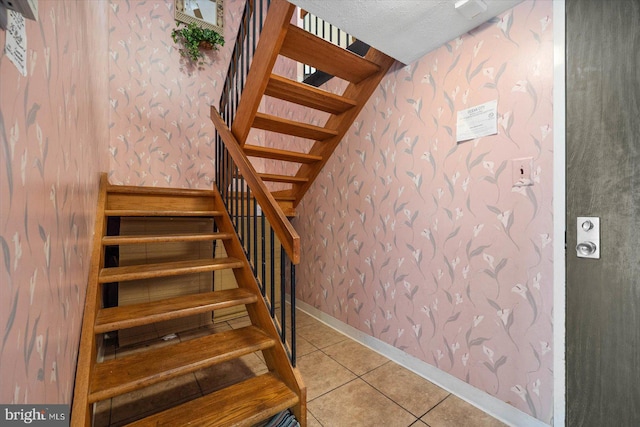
255, 237
263, 237
242, 212
273, 272
247, 221
230, 167
283, 290
233, 197
261, 14
292, 298
246, 55
253, 23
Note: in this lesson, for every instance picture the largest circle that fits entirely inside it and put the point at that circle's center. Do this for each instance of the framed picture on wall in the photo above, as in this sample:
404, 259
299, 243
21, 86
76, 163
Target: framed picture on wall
206, 13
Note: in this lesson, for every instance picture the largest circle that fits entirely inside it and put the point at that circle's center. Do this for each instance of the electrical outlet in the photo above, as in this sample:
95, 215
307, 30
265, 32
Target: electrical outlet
521, 171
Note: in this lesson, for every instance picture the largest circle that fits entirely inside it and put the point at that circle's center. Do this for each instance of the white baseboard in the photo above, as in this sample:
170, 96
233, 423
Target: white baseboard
476, 397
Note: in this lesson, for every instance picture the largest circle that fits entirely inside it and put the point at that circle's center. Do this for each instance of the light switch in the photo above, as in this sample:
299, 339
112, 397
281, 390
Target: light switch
521, 171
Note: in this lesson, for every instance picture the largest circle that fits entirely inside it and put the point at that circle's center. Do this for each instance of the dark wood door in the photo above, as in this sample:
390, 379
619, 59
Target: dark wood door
603, 180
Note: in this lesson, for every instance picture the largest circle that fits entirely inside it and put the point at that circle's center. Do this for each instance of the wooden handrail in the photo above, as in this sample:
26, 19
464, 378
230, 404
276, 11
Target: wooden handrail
287, 235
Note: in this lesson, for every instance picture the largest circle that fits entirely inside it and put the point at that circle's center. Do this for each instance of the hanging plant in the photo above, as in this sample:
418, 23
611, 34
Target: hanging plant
194, 39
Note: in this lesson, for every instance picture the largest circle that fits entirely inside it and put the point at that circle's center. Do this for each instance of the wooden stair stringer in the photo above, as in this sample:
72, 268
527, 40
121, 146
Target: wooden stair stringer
81, 410
276, 358
341, 123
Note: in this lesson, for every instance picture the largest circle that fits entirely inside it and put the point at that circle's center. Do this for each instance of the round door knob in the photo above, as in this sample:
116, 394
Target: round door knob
587, 225
586, 248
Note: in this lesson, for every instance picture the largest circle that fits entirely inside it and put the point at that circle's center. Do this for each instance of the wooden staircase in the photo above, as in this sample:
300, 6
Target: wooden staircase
242, 404
280, 37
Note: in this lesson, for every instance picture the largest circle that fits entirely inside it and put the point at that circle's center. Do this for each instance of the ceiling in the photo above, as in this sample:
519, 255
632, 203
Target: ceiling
404, 29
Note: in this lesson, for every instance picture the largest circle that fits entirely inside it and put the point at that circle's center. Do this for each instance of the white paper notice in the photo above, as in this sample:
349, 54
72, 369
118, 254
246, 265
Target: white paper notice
16, 42
474, 122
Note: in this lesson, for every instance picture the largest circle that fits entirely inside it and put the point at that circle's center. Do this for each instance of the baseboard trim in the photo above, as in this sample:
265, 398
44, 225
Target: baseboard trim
476, 397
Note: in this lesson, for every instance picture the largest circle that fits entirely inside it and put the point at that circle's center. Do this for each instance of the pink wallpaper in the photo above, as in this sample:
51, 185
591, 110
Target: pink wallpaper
53, 133
160, 130
408, 236
422, 242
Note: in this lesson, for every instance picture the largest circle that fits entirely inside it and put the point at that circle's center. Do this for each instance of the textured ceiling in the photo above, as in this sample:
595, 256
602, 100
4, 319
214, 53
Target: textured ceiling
403, 29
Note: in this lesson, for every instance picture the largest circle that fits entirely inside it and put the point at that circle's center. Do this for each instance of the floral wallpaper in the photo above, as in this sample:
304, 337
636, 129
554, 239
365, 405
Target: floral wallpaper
105, 91
53, 137
160, 131
423, 242
408, 236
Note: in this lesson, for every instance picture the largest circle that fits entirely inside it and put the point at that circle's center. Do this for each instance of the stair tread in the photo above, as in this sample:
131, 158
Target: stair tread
277, 154
290, 127
160, 212
127, 316
242, 404
319, 77
282, 178
304, 47
163, 238
283, 197
174, 268
163, 191
306, 95
118, 376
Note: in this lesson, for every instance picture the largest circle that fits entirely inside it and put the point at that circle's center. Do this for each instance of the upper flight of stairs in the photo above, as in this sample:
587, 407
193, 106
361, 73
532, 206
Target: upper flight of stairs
243, 404
280, 37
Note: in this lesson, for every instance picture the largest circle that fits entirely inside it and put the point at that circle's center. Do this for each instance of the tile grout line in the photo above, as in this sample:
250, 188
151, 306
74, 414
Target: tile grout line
436, 405
360, 377
332, 390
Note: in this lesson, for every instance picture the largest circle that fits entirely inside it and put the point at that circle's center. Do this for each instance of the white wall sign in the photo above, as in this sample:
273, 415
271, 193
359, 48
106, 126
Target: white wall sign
478, 121
16, 42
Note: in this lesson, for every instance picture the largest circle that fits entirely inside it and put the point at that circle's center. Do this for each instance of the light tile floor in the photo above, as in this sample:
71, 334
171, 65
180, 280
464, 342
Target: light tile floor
347, 385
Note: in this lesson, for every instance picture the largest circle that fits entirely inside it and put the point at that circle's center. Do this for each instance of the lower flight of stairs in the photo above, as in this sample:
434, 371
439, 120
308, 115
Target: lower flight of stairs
242, 404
